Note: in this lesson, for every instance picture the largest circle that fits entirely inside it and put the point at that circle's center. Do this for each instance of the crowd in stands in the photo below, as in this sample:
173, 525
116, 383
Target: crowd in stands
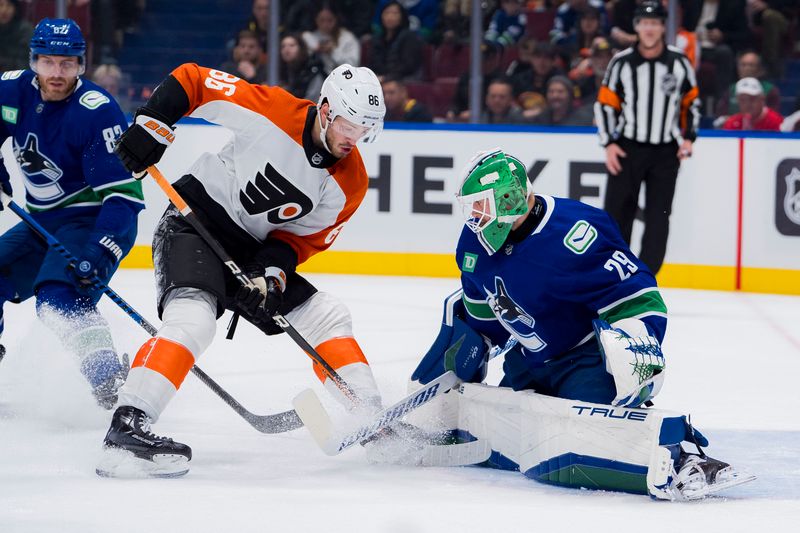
543, 61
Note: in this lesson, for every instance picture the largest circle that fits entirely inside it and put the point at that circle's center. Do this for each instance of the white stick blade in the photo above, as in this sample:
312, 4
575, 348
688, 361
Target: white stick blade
316, 420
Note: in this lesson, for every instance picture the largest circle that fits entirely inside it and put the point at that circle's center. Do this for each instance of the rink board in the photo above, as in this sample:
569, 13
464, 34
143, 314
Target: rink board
735, 222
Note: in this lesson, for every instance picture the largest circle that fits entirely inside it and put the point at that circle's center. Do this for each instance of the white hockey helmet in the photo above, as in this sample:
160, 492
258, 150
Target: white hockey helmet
355, 94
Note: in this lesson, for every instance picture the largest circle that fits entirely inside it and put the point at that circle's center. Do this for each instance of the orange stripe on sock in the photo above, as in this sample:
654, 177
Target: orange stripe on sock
168, 358
338, 353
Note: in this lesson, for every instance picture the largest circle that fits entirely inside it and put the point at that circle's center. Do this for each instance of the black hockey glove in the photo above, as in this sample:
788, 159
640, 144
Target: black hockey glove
144, 143
260, 303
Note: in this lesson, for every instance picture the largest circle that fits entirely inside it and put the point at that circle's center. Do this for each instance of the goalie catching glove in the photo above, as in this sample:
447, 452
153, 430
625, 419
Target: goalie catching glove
633, 357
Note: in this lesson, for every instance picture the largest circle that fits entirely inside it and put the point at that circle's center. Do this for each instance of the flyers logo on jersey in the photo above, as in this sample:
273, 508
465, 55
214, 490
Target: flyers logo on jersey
273, 194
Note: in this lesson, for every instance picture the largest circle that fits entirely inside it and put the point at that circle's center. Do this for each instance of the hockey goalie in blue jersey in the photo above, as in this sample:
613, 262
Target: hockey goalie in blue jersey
63, 130
551, 283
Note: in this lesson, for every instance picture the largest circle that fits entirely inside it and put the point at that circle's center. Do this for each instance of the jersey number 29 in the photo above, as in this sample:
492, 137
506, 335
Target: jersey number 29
620, 262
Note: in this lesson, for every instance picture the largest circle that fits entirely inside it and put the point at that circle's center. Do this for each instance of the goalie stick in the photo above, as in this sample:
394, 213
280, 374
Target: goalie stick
237, 272
319, 424
275, 423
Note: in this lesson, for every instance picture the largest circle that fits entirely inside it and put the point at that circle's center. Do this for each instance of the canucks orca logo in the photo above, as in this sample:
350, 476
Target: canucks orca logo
513, 317
40, 172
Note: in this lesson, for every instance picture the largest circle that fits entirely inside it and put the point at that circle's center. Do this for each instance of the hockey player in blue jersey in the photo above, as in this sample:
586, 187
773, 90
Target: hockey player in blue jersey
64, 129
580, 318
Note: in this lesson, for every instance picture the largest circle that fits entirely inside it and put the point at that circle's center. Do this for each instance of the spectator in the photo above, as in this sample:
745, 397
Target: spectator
749, 65
109, 77
500, 105
248, 58
333, 44
300, 73
423, 16
525, 50
15, 34
753, 113
589, 29
490, 68
772, 16
259, 21
565, 25
588, 74
507, 25
560, 110
297, 16
530, 86
358, 14
399, 107
456, 15
721, 30
396, 50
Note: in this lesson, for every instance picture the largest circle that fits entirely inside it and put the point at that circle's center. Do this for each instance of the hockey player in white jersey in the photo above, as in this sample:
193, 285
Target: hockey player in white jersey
279, 192
582, 322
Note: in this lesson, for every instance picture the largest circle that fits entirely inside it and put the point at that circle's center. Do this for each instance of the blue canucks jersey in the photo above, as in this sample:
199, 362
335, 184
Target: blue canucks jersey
65, 149
546, 287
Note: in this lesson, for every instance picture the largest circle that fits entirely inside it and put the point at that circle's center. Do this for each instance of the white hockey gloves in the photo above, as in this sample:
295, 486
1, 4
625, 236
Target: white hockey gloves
633, 358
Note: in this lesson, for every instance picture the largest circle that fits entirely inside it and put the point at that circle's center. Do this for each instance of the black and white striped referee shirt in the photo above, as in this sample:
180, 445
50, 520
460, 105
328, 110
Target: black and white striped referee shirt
650, 101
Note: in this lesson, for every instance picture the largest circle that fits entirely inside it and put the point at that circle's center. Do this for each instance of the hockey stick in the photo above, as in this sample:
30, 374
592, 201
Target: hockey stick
319, 423
215, 245
277, 423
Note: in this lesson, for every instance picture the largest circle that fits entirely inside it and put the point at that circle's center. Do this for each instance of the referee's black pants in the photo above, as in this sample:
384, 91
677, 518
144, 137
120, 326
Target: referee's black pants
657, 166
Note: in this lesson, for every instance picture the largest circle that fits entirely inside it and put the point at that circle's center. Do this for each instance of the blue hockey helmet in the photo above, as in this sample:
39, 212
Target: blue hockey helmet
58, 37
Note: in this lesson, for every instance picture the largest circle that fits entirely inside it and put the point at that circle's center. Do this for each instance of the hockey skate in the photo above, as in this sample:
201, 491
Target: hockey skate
698, 476
2, 352
132, 450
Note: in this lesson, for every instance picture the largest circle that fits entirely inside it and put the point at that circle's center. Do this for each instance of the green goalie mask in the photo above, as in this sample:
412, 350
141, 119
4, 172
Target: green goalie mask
493, 194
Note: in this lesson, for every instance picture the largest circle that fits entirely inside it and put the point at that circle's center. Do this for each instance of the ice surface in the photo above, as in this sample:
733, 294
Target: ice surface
733, 363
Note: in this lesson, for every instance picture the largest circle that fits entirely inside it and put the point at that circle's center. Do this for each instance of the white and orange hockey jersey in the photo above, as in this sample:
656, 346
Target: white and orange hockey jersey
271, 179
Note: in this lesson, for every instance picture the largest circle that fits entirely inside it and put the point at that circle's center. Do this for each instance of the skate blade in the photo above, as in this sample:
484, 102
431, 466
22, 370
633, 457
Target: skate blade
124, 464
732, 481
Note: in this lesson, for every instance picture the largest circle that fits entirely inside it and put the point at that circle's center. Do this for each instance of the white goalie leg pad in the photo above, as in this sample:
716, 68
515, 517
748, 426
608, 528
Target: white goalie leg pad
189, 319
573, 443
437, 416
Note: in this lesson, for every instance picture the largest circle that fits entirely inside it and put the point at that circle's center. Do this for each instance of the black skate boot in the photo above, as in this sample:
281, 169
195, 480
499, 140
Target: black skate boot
2, 352
131, 450
699, 476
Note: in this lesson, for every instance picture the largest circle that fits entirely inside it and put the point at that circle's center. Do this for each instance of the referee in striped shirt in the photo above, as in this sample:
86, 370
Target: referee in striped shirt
647, 113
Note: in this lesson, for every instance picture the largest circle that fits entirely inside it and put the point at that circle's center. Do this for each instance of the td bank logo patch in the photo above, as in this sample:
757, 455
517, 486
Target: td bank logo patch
787, 197
580, 237
10, 114
468, 265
